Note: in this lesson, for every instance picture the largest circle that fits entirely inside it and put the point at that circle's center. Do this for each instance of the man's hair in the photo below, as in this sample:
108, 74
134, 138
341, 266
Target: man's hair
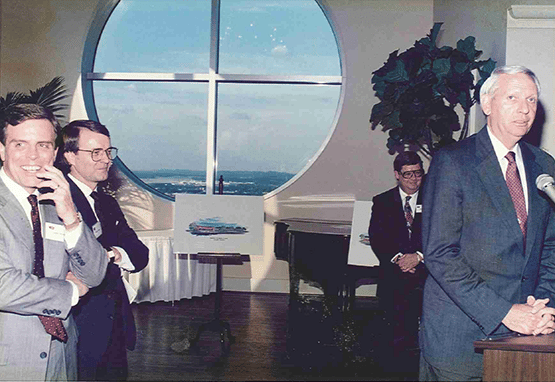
492, 83
72, 132
406, 158
18, 113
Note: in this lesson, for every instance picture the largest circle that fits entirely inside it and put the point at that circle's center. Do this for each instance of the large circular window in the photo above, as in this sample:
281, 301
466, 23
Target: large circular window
241, 93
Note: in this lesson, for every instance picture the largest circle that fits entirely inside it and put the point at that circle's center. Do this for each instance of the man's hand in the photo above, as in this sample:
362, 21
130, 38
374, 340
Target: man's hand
61, 195
83, 289
408, 262
527, 319
547, 324
115, 254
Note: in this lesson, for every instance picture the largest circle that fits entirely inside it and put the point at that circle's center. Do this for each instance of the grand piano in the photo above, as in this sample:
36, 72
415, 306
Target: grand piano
323, 332
317, 253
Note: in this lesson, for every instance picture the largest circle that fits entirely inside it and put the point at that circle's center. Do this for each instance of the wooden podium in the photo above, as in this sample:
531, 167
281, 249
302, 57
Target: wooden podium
518, 358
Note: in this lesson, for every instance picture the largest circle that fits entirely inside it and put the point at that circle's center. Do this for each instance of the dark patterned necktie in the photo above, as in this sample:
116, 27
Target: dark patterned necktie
408, 211
52, 325
97, 208
408, 215
515, 189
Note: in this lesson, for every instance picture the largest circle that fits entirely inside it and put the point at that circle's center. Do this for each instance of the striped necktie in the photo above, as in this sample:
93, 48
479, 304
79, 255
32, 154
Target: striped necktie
52, 325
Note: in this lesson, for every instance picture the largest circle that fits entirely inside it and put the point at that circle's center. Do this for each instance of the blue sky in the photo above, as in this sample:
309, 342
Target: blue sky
260, 127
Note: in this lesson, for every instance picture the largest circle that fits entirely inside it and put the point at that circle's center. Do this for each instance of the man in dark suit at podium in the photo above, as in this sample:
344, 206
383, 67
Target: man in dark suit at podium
488, 234
104, 317
395, 237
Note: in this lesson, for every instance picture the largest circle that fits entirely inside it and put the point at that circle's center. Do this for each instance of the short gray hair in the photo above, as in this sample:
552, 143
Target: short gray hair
490, 85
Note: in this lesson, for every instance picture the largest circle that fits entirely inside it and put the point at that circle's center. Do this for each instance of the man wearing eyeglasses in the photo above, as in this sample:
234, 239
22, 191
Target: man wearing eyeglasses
104, 318
395, 237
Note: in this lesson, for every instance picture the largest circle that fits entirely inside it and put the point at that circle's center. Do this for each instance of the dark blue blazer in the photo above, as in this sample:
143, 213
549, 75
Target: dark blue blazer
389, 235
474, 250
95, 311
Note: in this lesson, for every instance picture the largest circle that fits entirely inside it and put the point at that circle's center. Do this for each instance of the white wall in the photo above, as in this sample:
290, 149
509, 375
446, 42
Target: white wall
43, 39
528, 40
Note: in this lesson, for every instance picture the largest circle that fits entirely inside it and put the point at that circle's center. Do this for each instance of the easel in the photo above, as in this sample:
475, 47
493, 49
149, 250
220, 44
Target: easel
217, 324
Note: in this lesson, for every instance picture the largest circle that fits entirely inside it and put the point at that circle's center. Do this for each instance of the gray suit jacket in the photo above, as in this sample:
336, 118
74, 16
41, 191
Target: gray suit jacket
24, 344
475, 252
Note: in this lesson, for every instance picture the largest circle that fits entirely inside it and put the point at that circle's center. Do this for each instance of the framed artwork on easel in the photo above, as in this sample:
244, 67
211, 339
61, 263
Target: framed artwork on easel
218, 223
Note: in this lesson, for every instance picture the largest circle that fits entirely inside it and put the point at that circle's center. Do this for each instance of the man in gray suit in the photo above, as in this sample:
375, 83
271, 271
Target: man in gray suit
488, 234
48, 257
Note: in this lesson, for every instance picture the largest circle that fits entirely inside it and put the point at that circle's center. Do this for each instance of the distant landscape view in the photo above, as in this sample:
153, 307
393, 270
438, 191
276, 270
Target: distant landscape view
173, 182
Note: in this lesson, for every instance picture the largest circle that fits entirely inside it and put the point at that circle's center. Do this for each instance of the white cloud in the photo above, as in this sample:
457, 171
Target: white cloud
280, 50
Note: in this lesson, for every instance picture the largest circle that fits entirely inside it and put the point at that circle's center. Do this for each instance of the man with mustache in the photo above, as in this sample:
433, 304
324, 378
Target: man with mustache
104, 317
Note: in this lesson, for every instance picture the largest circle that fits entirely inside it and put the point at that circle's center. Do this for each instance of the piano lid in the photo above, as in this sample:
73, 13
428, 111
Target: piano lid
325, 227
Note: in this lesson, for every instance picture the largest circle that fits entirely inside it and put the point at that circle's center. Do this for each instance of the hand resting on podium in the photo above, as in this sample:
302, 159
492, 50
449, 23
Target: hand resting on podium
532, 318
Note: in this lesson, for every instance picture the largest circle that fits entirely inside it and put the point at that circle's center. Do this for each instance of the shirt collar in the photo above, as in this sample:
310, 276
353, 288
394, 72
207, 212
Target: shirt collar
500, 149
20, 193
86, 190
404, 195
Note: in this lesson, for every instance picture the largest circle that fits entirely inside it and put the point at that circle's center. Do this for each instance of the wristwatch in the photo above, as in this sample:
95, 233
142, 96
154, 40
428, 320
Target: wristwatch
75, 223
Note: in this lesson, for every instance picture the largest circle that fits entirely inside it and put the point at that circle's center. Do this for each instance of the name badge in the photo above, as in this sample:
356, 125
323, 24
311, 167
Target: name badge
97, 229
54, 232
418, 209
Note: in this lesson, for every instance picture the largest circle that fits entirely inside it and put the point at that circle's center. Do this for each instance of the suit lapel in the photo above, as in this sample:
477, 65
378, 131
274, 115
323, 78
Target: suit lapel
533, 169
14, 214
398, 203
82, 204
492, 177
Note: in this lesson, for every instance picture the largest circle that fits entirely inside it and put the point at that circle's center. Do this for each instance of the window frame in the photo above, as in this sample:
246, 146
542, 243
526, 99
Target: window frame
213, 78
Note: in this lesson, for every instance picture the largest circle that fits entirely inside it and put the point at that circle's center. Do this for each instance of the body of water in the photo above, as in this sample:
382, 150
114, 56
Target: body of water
173, 182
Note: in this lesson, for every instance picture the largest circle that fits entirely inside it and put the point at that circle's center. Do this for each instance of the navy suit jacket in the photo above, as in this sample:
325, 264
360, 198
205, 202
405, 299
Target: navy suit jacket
95, 311
475, 252
389, 235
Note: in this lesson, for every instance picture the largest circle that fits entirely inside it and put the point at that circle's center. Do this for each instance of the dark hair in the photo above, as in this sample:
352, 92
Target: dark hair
18, 113
73, 129
406, 158
70, 139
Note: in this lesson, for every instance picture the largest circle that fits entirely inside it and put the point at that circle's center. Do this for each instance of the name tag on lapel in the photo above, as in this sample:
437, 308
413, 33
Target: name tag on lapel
418, 209
97, 230
54, 232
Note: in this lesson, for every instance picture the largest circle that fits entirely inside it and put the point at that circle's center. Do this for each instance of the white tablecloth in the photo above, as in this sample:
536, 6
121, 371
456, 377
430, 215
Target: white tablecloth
167, 277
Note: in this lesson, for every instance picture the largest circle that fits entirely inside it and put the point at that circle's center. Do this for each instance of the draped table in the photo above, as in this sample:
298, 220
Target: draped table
169, 277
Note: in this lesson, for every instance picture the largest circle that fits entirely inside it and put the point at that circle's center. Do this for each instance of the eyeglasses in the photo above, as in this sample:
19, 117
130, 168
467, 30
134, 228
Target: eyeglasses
96, 154
411, 174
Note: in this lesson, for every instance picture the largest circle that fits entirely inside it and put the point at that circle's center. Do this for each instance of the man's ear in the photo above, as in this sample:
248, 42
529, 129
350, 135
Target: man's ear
70, 157
485, 103
397, 175
2, 152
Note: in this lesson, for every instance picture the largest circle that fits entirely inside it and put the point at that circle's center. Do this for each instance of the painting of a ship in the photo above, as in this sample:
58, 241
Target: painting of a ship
215, 226
364, 238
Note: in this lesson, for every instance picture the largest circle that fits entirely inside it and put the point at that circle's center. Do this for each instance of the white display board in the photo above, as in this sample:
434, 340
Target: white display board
360, 252
218, 223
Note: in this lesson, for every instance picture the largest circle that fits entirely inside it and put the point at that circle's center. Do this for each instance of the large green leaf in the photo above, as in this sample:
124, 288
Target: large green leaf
468, 47
441, 67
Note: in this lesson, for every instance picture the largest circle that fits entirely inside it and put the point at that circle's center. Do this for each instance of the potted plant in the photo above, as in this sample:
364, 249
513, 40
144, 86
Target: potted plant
420, 88
49, 96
